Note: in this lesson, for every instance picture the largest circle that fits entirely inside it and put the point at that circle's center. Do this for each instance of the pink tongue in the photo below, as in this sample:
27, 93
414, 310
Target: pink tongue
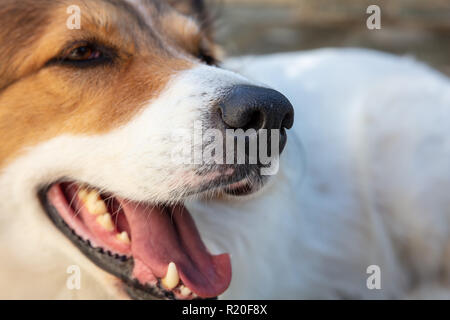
160, 237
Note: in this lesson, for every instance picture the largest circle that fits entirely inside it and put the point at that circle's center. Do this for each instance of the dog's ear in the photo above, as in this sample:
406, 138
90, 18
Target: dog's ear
194, 8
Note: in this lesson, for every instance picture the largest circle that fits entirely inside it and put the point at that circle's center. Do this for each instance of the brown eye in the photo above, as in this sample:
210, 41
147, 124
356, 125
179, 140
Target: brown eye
84, 53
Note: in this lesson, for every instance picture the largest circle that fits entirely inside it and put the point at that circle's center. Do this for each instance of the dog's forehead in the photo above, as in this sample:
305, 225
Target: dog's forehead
143, 15
148, 13
152, 24
147, 7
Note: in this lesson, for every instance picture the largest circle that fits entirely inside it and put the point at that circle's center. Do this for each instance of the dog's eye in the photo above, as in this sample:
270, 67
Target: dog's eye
84, 53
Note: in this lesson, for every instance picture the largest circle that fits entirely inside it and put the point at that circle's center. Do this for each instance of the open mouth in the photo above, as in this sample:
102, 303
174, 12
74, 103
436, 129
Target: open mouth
155, 250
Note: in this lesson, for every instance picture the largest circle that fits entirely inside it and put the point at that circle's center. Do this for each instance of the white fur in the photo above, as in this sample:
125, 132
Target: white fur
374, 134
363, 181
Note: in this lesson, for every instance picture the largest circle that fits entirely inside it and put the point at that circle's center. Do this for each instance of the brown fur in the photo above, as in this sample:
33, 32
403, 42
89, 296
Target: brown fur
39, 100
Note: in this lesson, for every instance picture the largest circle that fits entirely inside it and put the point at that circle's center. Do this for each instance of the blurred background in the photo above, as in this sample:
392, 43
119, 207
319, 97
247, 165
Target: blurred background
419, 28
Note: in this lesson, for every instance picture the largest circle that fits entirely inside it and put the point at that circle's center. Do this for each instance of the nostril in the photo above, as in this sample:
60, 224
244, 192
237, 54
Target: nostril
255, 121
241, 117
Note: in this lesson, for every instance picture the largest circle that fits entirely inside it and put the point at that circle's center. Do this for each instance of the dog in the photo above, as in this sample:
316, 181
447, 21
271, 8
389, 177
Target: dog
94, 206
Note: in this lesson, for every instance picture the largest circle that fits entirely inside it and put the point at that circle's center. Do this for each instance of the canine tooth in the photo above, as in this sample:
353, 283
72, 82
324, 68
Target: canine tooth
185, 291
95, 204
172, 278
123, 237
106, 222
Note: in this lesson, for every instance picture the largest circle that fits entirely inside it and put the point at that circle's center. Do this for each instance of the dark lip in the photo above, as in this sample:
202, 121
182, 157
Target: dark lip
245, 190
117, 265
250, 173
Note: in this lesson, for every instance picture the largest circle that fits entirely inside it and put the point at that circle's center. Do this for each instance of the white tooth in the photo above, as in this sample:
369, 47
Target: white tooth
95, 204
98, 208
123, 237
106, 222
172, 278
185, 291
82, 194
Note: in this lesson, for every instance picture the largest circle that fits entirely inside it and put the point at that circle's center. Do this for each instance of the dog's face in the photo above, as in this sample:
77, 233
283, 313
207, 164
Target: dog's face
89, 118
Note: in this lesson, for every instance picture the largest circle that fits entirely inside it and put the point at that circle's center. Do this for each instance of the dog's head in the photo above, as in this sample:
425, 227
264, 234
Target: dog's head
112, 114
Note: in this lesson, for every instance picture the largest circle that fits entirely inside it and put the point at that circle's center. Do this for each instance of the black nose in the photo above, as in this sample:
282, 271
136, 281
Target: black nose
251, 107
